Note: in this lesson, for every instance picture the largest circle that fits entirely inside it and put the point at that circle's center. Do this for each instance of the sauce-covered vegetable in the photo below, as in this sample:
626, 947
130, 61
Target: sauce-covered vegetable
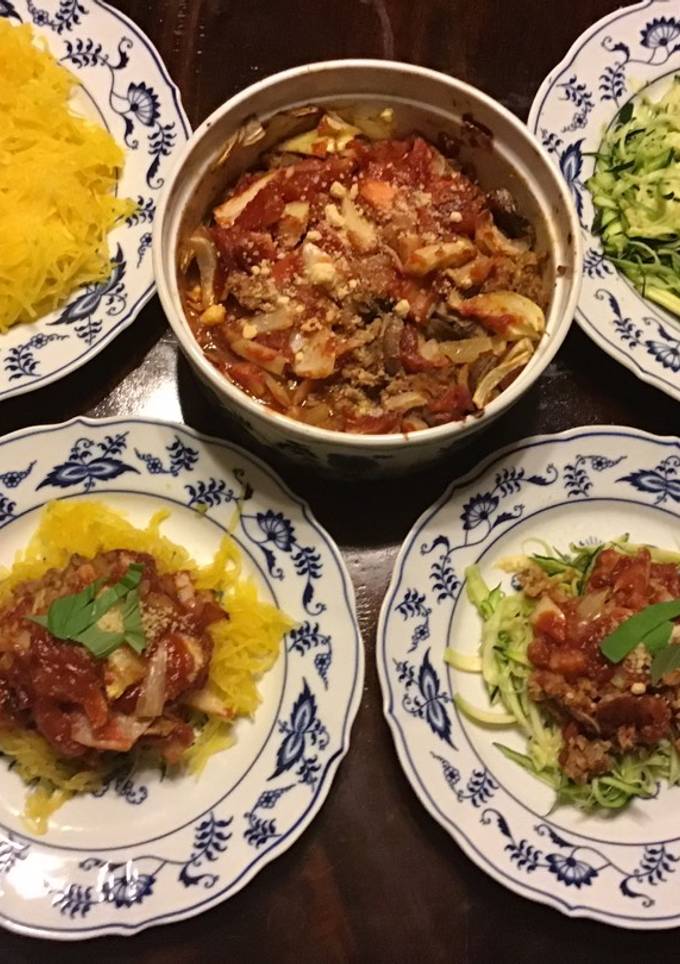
585, 660
365, 285
81, 703
115, 647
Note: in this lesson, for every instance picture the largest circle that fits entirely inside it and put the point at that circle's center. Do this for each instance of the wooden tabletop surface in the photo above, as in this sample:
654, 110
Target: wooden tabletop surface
374, 878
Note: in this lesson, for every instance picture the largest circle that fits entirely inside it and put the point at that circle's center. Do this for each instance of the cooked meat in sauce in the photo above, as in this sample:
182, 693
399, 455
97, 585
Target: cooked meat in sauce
605, 709
84, 705
370, 286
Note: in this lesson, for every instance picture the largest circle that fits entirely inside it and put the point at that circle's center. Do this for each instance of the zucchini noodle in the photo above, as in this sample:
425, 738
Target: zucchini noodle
505, 668
636, 194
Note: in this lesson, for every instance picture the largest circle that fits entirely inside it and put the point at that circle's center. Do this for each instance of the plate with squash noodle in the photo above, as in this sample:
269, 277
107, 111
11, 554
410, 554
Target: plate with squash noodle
180, 666
91, 122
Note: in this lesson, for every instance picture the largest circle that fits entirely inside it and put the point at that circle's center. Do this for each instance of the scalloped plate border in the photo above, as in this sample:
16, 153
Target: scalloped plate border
129, 87
120, 890
568, 113
497, 827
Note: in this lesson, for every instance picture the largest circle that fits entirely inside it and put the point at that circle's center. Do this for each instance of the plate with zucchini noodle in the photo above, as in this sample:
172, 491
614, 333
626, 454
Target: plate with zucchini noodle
180, 666
529, 654
609, 116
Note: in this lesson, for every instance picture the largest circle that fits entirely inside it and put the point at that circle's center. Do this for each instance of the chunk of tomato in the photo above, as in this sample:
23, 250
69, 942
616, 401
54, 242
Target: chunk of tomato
248, 377
455, 403
373, 424
264, 210
286, 268
239, 248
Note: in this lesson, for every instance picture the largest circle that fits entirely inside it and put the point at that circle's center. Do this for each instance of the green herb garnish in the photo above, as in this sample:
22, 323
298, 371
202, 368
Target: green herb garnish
659, 637
76, 617
665, 660
617, 645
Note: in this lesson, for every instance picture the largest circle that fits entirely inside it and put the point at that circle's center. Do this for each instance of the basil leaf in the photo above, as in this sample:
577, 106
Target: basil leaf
71, 613
665, 661
75, 617
132, 622
659, 637
625, 637
110, 596
40, 620
102, 643
99, 642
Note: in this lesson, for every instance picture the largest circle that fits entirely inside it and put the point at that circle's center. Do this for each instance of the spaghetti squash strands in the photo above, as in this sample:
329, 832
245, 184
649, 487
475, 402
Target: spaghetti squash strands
246, 643
58, 174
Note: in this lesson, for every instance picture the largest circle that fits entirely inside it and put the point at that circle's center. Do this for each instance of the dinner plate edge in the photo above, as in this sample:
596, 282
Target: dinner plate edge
305, 820
451, 828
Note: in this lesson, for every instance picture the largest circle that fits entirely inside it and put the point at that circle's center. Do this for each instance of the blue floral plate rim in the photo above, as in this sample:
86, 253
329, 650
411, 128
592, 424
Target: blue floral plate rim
316, 730
148, 115
414, 696
569, 111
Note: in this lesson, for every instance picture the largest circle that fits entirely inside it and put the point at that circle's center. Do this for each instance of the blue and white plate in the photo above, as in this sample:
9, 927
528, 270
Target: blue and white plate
126, 88
633, 50
150, 851
582, 485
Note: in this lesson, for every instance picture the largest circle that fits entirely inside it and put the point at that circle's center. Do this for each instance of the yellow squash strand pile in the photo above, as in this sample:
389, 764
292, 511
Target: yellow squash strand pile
58, 174
245, 645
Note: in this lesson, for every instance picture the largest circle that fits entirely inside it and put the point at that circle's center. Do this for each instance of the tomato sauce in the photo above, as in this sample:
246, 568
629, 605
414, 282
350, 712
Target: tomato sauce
336, 249
63, 691
604, 707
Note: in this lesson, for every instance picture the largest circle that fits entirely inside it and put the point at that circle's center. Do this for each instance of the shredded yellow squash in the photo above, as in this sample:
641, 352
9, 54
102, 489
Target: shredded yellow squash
245, 645
58, 174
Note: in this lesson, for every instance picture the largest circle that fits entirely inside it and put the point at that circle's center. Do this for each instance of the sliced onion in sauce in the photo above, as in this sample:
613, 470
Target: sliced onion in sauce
277, 320
152, 695
491, 239
318, 414
404, 401
302, 391
467, 349
119, 734
361, 231
278, 390
517, 358
202, 248
315, 358
413, 424
267, 358
226, 213
208, 702
430, 349
592, 605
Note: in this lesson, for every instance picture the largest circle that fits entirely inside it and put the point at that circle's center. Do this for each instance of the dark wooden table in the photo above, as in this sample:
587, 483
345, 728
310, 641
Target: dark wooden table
374, 878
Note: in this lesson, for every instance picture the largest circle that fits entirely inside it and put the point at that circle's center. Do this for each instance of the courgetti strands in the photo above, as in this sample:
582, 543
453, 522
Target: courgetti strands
636, 193
575, 659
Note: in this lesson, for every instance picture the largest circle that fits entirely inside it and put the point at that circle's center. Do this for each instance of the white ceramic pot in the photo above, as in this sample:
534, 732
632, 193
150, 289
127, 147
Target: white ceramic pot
422, 100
